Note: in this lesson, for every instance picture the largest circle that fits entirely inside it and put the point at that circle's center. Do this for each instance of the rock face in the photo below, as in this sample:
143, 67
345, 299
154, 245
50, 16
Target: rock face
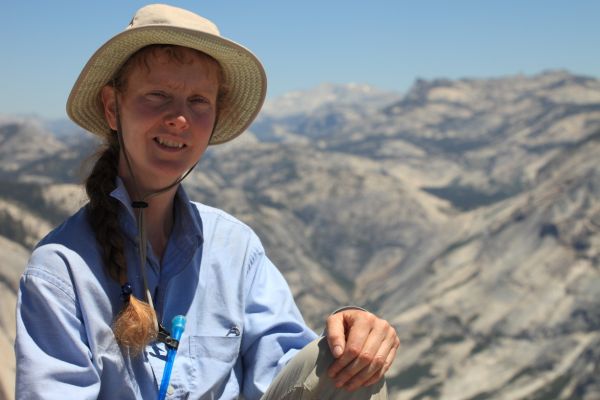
466, 212
14, 258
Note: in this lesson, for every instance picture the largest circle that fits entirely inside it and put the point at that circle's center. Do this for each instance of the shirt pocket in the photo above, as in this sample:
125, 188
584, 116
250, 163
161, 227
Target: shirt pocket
203, 366
217, 348
214, 359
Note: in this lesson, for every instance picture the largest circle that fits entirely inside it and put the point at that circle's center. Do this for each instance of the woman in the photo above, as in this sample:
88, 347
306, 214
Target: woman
93, 301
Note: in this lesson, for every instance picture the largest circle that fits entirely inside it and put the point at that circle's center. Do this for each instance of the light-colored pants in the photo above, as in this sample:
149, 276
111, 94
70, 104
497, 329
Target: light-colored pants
305, 378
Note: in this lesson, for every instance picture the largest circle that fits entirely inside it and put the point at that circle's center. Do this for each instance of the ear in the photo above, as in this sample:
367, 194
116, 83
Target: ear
109, 103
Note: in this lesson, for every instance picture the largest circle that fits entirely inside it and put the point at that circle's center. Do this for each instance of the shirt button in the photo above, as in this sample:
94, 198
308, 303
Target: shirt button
170, 390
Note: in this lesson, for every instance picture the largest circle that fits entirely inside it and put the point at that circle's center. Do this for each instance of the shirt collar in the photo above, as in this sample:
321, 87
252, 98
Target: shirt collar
187, 218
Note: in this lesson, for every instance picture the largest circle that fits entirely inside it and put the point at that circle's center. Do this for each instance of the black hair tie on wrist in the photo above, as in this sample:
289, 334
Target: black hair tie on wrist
126, 292
139, 204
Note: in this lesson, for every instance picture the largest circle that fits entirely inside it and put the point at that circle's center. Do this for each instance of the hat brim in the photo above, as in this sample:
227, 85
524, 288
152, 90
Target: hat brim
243, 74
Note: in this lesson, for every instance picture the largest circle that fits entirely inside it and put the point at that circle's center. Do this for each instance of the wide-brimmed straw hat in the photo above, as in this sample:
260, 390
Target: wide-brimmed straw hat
243, 73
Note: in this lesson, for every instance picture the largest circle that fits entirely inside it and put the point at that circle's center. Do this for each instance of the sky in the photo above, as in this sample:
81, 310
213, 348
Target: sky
387, 44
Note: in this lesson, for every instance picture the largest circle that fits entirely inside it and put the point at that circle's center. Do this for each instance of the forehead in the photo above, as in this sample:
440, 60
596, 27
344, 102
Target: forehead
159, 61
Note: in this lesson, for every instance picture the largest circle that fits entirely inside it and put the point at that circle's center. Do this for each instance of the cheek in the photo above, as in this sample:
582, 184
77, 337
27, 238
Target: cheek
205, 124
137, 119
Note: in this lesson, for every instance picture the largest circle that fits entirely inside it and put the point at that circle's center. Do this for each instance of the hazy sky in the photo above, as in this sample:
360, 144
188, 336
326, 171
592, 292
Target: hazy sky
387, 44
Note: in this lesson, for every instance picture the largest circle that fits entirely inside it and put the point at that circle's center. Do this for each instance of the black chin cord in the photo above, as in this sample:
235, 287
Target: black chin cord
140, 206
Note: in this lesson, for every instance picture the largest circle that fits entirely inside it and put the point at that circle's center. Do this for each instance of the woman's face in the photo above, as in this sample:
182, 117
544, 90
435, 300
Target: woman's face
167, 111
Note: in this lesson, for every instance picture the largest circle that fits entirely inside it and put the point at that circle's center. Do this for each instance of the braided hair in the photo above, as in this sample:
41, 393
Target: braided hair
134, 325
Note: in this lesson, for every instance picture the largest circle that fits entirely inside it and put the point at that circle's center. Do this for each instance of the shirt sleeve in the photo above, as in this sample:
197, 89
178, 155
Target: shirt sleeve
274, 329
53, 359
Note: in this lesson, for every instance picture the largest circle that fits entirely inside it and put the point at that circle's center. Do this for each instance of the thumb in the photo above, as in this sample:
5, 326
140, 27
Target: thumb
336, 337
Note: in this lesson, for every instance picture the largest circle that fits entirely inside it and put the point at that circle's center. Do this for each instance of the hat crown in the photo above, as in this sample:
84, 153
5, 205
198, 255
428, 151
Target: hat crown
162, 14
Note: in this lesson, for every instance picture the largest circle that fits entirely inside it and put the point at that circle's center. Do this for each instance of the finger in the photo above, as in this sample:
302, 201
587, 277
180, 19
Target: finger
388, 363
336, 338
357, 335
374, 372
372, 356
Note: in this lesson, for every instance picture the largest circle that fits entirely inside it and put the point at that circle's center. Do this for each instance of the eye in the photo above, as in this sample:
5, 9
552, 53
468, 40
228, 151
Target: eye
156, 95
199, 100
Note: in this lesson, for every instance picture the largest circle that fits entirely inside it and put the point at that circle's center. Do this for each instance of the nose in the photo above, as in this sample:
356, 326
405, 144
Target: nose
177, 120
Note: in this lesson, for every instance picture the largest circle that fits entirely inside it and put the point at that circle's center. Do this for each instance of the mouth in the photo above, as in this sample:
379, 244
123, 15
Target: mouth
170, 144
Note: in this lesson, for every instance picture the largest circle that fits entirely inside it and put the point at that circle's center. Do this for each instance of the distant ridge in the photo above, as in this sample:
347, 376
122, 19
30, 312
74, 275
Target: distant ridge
465, 211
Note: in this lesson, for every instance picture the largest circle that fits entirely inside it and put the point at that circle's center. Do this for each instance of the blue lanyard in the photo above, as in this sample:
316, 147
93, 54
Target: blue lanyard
172, 343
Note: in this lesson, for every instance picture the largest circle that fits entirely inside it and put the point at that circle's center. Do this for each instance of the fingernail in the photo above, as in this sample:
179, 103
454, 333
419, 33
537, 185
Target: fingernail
337, 351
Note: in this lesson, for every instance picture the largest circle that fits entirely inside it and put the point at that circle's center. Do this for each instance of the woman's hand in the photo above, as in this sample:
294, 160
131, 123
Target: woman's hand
363, 345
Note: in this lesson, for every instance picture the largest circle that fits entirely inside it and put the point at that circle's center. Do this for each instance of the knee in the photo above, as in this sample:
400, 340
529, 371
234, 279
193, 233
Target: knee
315, 357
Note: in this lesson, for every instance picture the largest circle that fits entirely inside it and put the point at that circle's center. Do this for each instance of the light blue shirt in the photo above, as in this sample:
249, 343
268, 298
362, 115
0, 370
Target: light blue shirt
242, 322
